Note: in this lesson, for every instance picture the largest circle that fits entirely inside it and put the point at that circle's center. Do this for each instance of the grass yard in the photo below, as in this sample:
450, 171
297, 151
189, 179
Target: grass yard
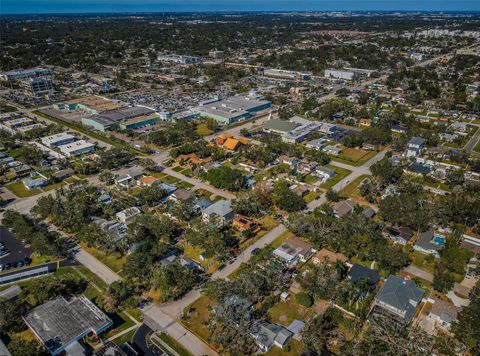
184, 185
20, 191
293, 348
53, 186
124, 338
169, 179
198, 316
203, 130
311, 179
171, 342
178, 168
282, 238
114, 262
354, 157
423, 261
477, 147
285, 312
311, 196
352, 188
341, 173
120, 322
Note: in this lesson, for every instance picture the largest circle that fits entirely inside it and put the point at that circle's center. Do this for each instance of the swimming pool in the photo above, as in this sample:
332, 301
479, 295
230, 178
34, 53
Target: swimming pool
439, 240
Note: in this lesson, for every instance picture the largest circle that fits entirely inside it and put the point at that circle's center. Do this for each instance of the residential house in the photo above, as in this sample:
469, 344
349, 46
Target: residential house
415, 146
32, 183
244, 224
460, 127
399, 129
306, 167
316, 144
358, 273
343, 208
443, 314
398, 298
399, 235
181, 195
291, 161
221, 211
429, 242
235, 309
300, 189
147, 181
444, 136
419, 169
369, 213
365, 122
128, 215
332, 150
63, 174
296, 328
267, 335
293, 251
325, 173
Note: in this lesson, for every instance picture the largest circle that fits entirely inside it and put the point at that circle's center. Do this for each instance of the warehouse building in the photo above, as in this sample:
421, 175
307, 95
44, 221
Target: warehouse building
57, 139
77, 148
340, 74
284, 74
59, 324
124, 118
235, 108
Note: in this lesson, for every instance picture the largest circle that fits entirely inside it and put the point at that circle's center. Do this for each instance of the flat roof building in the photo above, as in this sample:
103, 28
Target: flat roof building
77, 148
37, 86
59, 323
179, 59
57, 139
340, 74
90, 104
22, 74
124, 118
232, 109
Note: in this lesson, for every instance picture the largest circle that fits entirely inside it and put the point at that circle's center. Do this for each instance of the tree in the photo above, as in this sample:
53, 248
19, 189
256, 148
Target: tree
10, 316
151, 195
285, 199
467, 327
225, 177
320, 329
304, 299
173, 280
386, 171
106, 177
114, 157
455, 177
251, 203
18, 346
332, 195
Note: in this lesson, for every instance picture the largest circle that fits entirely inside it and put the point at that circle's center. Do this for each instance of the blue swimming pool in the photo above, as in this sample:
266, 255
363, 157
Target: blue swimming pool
439, 240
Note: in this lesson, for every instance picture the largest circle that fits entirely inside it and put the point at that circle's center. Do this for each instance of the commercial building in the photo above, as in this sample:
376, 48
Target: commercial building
232, 109
340, 74
91, 105
22, 74
284, 74
77, 148
180, 59
57, 139
37, 86
59, 324
124, 118
15, 123
297, 128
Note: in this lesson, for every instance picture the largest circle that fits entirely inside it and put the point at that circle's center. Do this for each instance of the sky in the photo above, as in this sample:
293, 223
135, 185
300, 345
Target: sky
108, 6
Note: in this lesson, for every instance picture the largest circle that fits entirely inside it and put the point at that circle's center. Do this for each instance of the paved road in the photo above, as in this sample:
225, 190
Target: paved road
473, 141
97, 267
356, 172
140, 342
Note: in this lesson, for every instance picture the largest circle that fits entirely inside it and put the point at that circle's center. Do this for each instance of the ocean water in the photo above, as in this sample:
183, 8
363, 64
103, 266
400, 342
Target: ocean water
112, 6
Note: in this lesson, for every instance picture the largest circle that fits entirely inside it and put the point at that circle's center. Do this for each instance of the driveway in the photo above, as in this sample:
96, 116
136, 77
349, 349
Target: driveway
97, 267
419, 273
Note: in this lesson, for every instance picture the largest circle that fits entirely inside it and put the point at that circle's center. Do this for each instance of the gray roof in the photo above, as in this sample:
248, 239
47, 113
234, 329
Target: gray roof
10, 293
266, 334
398, 292
58, 323
222, 208
425, 241
418, 141
280, 125
296, 326
3, 349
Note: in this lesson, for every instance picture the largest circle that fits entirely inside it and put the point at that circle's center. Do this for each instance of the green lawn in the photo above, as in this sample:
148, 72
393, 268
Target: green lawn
53, 186
351, 188
423, 262
311, 196
114, 262
285, 312
354, 158
125, 338
310, 179
20, 191
179, 349
282, 238
341, 173
198, 317
477, 147
120, 322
